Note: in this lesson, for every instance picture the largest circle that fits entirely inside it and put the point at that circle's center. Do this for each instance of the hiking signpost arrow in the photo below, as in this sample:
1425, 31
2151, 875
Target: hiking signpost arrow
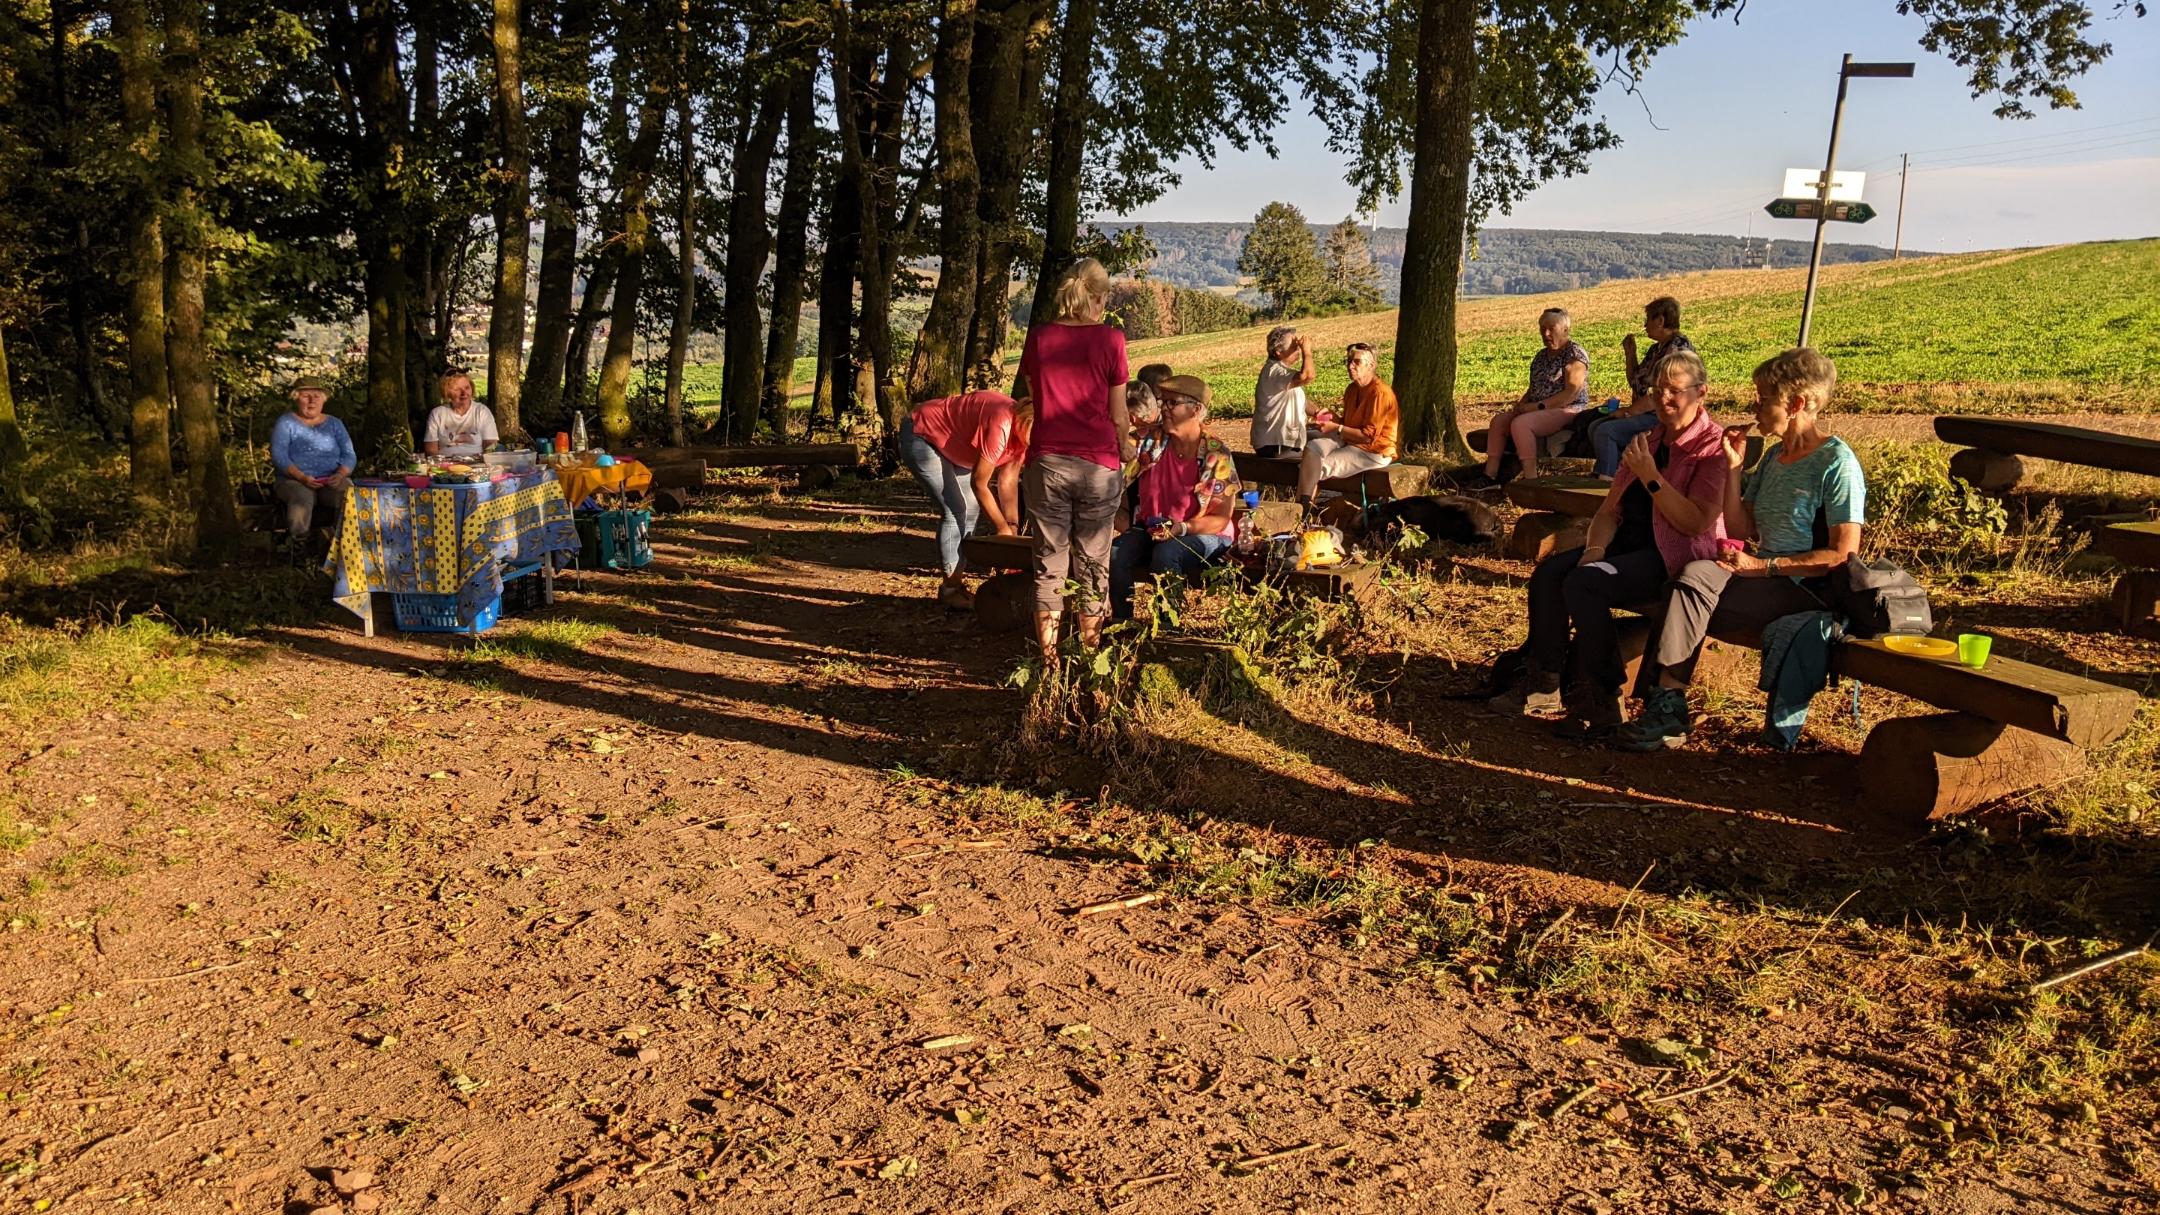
1809, 208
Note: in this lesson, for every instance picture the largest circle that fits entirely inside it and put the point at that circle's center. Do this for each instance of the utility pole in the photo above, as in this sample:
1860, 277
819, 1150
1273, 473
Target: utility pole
1897, 248
1847, 69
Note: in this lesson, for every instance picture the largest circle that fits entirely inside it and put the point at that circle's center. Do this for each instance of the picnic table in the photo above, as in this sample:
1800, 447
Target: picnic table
450, 540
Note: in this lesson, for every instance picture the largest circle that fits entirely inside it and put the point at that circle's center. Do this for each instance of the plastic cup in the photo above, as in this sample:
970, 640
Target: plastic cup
1973, 649
1252, 498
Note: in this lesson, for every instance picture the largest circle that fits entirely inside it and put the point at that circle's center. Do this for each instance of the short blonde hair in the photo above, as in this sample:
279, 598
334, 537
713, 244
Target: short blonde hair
1684, 360
1083, 293
1800, 372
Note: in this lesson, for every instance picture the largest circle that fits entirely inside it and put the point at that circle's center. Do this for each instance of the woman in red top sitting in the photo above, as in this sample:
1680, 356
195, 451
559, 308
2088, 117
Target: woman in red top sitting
1075, 369
1187, 488
966, 451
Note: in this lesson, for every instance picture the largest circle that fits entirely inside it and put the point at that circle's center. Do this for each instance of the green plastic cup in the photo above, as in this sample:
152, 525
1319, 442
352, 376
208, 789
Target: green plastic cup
1973, 649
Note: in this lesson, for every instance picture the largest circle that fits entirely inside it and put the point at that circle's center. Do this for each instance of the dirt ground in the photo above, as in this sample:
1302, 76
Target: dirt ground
701, 911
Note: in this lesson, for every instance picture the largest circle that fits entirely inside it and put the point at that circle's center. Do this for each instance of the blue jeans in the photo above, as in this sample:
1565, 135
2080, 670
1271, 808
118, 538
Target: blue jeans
950, 486
1133, 552
1611, 437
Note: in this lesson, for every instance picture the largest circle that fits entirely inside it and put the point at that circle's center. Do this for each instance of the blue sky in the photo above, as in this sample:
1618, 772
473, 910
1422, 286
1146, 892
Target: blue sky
1739, 104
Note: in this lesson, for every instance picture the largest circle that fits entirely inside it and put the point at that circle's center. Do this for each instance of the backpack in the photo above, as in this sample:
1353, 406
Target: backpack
1879, 597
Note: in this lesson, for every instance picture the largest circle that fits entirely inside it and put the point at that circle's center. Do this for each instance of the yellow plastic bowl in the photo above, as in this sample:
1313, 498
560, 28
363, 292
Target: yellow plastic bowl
1921, 647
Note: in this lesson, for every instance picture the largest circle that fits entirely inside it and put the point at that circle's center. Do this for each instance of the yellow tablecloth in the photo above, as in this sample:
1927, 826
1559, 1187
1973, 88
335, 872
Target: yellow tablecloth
626, 477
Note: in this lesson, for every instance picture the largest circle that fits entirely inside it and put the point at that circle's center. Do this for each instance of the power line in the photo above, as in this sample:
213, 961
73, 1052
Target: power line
2007, 160
2082, 145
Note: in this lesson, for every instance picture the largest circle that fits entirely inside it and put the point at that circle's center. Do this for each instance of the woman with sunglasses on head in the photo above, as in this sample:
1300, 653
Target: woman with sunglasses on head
1363, 438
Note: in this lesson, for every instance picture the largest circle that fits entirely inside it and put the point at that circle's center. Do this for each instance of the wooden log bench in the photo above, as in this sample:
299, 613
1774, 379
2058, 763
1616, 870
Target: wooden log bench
2137, 592
1556, 515
1990, 462
1372, 485
2010, 726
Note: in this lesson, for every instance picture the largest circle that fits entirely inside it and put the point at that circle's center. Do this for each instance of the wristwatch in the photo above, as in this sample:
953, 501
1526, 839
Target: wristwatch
1653, 486
1770, 567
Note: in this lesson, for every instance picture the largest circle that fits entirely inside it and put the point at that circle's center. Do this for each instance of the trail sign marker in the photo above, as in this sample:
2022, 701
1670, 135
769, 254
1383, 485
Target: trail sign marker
1808, 208
1846, 185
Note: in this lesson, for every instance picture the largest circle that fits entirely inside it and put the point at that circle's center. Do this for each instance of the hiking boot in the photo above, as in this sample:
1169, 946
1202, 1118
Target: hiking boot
1664, 723
1591, 715
1536, 692
956, 597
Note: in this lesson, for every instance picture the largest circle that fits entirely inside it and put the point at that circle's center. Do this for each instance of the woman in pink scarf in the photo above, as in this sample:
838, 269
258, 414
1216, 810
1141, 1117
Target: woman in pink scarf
1665, 509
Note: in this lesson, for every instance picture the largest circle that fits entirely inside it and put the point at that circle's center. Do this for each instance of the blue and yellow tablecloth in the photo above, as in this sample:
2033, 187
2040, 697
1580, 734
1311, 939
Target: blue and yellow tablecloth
446, 539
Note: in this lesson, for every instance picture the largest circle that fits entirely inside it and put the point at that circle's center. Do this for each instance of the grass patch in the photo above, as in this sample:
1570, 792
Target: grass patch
543, 640
53, 675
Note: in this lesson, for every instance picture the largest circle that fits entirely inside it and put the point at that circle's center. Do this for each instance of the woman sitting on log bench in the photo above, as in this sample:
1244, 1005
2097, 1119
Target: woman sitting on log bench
1664, 510
1188, 487
1808, 476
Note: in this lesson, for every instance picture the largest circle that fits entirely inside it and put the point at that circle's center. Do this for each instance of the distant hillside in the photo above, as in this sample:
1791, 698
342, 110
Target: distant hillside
1509, 261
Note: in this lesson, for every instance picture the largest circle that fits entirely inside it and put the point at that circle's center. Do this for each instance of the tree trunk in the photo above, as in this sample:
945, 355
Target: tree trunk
877, 148
613, 403
13, 450
542, 394
678, 351
749, 244
577, 364
939, 364
384, 425
833, 393
513, 220
1007, 93
149, 389
426, 320
1068, 149
1439, 211
790, 255
217, 526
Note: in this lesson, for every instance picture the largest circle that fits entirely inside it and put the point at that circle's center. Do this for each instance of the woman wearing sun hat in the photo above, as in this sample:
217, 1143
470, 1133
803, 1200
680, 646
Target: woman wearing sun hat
313, 457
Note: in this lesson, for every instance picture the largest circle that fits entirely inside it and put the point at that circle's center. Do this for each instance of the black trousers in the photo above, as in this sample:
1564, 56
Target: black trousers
1567, 597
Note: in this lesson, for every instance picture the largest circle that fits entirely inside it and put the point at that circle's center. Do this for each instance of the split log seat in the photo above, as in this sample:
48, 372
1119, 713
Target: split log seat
1990, 462
1373, 485
1557, 514
2137, 592
1005, 601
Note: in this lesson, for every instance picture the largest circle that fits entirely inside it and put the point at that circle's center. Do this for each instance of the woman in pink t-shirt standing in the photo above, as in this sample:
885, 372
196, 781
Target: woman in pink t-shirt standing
1075, 368
966, 452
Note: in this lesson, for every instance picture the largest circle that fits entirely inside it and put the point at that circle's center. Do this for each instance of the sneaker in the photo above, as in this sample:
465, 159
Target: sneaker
1535, 692
956, 598
1591, 716
1664, 723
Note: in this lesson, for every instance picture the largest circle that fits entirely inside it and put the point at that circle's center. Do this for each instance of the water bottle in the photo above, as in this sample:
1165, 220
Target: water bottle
577, 432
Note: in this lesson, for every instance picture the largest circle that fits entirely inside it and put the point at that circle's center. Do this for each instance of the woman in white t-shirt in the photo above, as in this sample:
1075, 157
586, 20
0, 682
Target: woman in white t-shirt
459, 426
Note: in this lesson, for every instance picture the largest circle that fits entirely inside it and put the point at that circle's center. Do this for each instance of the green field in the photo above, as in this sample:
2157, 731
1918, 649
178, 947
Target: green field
2072, 328
2068, 328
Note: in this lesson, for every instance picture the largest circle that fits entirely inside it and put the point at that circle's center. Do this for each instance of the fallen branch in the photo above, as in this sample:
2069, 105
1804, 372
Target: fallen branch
1124, 904
1264, 1159
1572, 1100
1137, 1182
1698, 1090
189, 974
2093, 967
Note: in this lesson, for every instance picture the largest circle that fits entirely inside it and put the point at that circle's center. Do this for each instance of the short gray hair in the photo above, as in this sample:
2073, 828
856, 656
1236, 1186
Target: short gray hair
1141, 403
1552, 314
1280, 337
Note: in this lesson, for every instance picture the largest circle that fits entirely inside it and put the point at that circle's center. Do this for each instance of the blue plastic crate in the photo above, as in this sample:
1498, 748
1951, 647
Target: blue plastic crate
418, 613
